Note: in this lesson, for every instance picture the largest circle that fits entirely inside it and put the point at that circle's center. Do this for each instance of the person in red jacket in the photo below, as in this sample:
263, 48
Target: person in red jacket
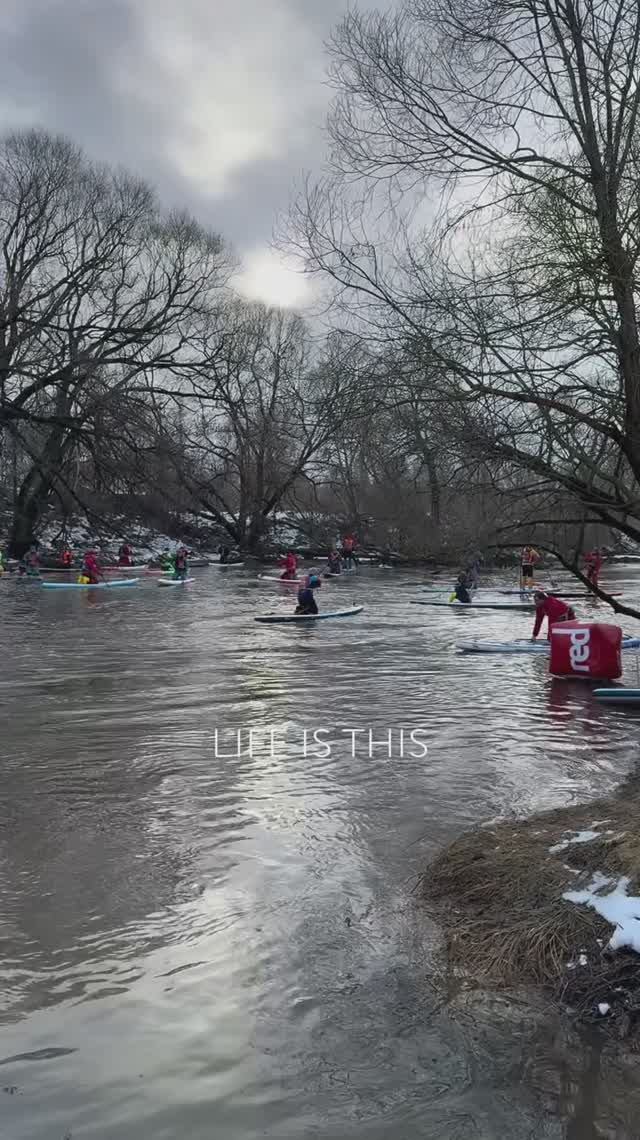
553, 609
349, 551
290, 563
66, 558
593, 566
91, 567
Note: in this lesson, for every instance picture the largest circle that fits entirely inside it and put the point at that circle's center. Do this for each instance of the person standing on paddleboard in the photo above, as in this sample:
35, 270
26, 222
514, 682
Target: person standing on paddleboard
30, 563
553, 609
529, 559
349, 551
306, 601
124, 555
593, 566
334, 562
181, 563
290, 564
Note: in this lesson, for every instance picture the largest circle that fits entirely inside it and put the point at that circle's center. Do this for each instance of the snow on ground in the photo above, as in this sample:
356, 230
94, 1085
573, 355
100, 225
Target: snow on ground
82, 536
581, 837
617, 907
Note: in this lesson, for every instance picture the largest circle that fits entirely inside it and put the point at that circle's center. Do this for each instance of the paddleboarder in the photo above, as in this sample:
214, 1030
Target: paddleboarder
181, 563
306, 601
593, 566
290, 564
30, 563
349, 551
91, 568
334, 562
553, 609
124, 555
461, 590
529, 559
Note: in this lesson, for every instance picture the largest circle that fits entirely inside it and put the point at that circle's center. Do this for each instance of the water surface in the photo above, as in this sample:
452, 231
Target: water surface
219, 945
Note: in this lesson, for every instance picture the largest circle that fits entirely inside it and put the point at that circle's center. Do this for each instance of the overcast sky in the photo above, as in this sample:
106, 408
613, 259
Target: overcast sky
220, 103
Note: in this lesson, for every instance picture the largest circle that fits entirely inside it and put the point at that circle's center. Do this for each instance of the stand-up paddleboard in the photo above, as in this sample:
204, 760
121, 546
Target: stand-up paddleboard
306, 619
528, 606
137, 568
619, 696
224, 565
281, 581
90, 585
482, 645
175, 581
561, 594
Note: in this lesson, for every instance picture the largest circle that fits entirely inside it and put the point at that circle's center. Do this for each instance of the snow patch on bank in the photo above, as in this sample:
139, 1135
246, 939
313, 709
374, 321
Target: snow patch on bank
582, 836
617, 907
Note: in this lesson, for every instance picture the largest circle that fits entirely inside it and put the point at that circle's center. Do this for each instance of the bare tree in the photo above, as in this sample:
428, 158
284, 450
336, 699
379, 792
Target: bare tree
278, 399
523, 119
99, 294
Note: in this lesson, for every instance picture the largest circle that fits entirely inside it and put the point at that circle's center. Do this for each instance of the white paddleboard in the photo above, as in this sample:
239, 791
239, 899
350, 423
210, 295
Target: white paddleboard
478, 645
305, 619
175, 581
281, 581
90, 585
481, 645
476, 605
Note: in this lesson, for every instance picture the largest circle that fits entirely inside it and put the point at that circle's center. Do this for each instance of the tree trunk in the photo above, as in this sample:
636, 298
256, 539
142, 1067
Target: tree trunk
434, 490
33, 496
27, 512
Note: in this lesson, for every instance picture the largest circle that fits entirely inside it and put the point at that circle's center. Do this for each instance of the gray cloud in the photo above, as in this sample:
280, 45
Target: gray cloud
219, 104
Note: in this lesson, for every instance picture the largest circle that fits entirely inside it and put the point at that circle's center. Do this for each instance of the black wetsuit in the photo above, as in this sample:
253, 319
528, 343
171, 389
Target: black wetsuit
462, 593
306, 602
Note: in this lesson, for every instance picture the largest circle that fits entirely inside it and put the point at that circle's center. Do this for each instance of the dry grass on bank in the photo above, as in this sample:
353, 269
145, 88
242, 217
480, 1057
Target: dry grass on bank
499, 890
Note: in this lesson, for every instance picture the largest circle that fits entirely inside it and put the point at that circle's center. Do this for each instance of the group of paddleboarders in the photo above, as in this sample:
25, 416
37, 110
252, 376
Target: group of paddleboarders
337, 559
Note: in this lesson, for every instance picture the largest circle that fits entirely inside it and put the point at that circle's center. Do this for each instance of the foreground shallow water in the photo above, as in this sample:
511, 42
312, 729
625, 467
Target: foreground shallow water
199, 943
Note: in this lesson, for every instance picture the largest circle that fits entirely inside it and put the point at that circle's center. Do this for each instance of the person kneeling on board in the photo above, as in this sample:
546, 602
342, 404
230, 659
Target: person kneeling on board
553, 609
461, 590
181, 564
306, 601
91, 568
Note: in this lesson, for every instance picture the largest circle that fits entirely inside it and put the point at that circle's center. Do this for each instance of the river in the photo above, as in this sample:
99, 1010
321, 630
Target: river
196, 943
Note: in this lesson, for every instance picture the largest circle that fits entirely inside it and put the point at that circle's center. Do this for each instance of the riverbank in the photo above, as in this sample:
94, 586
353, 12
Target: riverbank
552, 900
